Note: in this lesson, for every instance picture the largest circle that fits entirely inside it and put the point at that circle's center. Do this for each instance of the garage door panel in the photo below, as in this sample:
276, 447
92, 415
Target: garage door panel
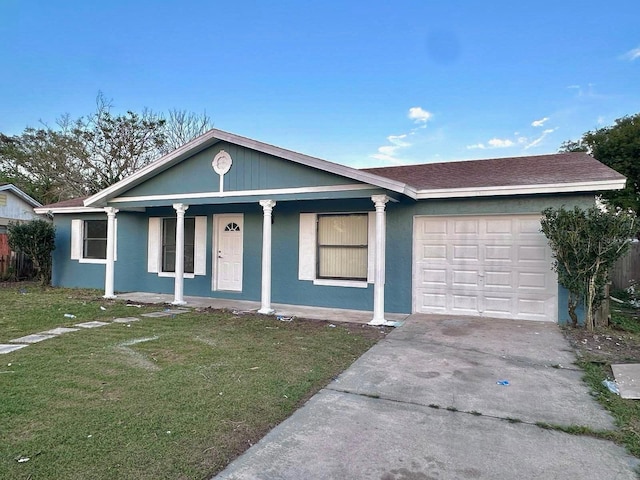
435, 302
499, 226
498, 253
466, 252
531, 280
529, 226
464, 303
466, 226
465, 278
431, 276
498, 280
434, 252
498, 306
494, 266
532, 253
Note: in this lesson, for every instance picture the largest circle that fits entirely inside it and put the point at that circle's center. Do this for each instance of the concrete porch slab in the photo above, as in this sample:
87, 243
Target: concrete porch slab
628, 379
34, 338
93, 324
245, 306
4, 348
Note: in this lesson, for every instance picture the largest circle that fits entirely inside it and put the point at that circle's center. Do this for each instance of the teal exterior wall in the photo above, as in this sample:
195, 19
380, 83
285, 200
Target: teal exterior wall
131, 265
251, 170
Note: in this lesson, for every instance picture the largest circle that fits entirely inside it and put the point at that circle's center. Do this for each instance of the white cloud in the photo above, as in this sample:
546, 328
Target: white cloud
539, 123
399, 140
499, 143
476, 146
538, 140
388, 152
493, 143
418, 115
632, 55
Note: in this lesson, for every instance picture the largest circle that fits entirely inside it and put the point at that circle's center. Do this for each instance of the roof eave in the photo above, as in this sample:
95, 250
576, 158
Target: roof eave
79, 209
575, 187
19, 193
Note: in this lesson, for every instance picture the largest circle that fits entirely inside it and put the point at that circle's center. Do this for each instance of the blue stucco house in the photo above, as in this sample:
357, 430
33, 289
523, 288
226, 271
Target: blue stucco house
229, 217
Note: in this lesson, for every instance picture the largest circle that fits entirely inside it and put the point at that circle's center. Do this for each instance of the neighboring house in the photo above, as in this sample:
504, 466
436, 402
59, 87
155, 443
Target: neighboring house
15, 206
229, 217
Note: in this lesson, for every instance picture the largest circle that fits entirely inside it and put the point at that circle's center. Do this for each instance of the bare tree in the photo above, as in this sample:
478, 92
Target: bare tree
181, 127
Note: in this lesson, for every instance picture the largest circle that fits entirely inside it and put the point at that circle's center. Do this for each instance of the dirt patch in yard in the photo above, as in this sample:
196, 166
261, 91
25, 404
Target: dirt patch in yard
608, 345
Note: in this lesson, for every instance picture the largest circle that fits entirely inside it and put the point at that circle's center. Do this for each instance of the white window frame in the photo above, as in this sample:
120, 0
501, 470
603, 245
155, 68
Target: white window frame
307, 251
154, 248
77, 241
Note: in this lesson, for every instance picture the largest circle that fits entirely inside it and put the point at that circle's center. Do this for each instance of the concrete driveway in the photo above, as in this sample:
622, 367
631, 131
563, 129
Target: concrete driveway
424, 403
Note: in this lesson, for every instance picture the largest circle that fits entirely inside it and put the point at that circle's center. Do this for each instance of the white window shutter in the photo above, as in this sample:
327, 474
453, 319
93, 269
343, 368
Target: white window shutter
76, 239
371, 248
115, 239
307, 247
200, 247
153, 250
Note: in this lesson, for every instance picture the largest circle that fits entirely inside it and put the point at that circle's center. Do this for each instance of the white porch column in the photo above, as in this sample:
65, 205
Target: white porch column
379, 264
180, 209
267, 208
111, 252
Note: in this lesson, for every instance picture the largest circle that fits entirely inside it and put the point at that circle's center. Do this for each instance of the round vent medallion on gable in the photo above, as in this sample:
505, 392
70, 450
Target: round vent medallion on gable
222, 162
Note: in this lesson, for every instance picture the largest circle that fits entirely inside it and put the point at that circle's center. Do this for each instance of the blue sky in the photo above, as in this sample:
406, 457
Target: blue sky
370, 83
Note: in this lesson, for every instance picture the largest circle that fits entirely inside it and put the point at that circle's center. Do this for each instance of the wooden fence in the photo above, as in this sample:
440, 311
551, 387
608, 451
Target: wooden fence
627, 269
16, 267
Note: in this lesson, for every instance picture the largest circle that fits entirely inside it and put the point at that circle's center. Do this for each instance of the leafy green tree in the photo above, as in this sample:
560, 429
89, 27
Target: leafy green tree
617, 146
37, 240
585, 245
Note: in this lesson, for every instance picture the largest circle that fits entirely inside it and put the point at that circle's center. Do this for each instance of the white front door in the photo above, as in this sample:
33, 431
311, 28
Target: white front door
228, 252
490, 266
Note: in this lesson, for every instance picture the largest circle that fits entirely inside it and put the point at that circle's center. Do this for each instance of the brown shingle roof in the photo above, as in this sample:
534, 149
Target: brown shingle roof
74, 202
535, 170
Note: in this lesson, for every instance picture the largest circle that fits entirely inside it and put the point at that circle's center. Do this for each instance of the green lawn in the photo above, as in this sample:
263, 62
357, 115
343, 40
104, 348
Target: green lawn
174, 397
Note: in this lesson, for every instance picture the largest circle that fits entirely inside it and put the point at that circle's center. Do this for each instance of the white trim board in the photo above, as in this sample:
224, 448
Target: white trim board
242, 193
521, 189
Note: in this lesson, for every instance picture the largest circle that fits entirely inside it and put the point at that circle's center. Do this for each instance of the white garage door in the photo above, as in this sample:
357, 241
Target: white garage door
490, 266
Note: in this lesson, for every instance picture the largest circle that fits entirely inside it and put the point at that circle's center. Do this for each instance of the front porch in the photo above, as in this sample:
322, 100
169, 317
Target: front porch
301, 311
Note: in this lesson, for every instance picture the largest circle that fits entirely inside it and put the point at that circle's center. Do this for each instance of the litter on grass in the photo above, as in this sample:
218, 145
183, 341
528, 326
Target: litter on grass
611, 386
286, 319
69, 315
331, 325
133, 305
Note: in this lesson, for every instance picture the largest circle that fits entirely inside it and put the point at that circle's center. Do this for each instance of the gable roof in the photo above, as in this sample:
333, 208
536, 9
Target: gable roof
554, 173
213, 136
9, 187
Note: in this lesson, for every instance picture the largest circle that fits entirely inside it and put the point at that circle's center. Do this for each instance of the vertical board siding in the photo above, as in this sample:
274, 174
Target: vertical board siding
627, 269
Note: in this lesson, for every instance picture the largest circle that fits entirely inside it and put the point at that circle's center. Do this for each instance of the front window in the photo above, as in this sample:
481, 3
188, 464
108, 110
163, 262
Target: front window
94, 239
169, 244
342, 246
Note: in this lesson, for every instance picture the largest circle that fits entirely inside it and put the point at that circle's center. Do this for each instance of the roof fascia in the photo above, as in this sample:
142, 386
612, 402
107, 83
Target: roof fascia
19, 193
594, 186
46, 210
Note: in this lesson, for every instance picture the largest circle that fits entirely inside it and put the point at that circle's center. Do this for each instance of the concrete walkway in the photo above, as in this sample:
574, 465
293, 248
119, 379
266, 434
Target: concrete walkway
424, 403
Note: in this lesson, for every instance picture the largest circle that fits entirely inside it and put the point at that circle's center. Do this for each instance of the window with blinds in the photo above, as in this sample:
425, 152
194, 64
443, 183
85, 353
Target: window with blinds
342, 246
